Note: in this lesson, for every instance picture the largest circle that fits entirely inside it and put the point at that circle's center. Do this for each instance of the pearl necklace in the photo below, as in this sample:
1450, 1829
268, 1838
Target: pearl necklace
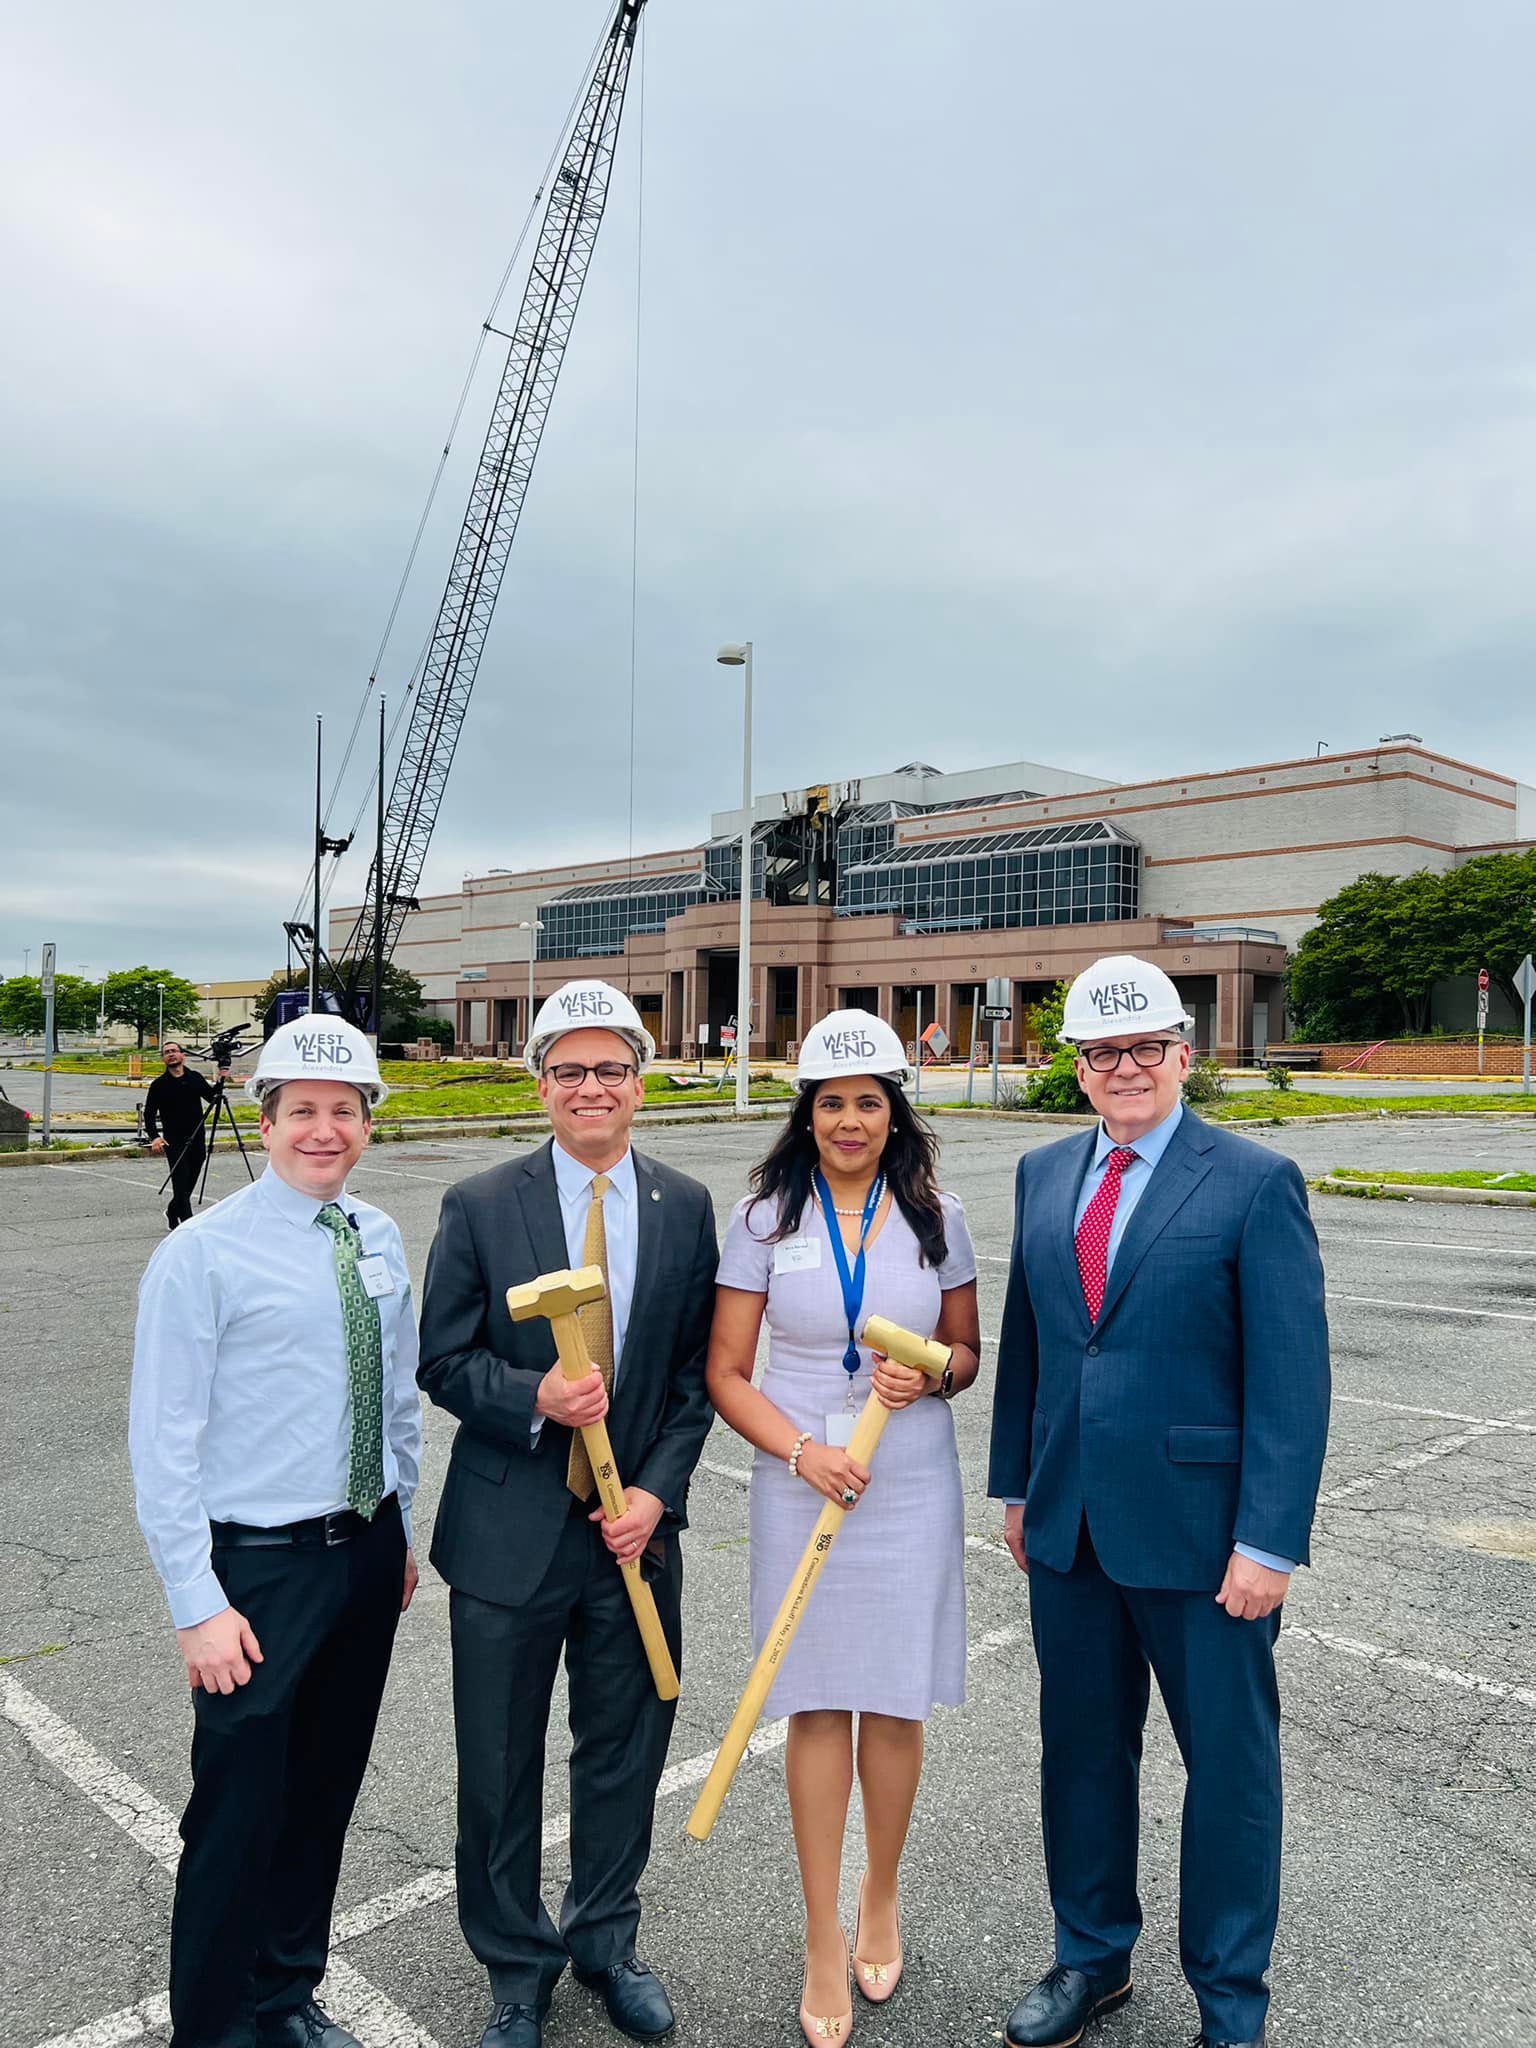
849, 1212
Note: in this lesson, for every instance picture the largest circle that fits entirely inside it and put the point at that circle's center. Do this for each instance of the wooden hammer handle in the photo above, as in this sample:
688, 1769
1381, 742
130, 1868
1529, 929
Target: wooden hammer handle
576, 1363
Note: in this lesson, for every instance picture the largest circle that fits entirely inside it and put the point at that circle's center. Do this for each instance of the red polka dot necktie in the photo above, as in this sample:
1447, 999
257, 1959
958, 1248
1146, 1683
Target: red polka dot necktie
1093, 1231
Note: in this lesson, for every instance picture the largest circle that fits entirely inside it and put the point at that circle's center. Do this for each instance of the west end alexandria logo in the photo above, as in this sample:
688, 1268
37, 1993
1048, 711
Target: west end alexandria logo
1117, 999
585, 1002
322, 1049
850, 1045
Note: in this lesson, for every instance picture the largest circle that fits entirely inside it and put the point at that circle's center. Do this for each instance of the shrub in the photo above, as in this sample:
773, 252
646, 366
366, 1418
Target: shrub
1054, 1089
1280, 1079
1204, 1081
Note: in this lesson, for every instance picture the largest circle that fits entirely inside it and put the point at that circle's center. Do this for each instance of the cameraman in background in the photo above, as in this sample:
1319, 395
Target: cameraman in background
174, 1111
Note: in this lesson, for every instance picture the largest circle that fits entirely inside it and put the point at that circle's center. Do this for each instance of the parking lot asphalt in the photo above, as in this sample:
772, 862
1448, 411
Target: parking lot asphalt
1408, 1669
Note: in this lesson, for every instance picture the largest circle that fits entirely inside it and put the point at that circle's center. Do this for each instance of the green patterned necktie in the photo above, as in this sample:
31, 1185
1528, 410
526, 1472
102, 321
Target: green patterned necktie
365, 1367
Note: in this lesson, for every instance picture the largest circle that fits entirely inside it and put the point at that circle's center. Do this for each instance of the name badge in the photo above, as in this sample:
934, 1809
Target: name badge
840, 1429
374, 1273
797, 1255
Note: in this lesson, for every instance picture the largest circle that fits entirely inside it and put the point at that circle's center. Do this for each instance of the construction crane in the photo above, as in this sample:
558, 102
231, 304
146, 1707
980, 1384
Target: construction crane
536, 345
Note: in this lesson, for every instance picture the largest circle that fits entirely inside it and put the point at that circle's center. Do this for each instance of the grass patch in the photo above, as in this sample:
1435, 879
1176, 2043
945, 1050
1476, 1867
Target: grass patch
1273, 1106
1494, 1183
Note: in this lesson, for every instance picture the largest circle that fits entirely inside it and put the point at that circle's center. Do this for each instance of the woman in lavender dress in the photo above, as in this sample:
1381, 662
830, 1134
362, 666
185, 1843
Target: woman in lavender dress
883, 1637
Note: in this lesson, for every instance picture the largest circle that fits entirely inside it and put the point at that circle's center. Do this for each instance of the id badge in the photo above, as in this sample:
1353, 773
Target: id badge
373, 1271
840, 1429
797, 1255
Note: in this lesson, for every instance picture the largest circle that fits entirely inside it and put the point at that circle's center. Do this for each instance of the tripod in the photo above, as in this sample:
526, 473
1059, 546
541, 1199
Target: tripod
219, 1102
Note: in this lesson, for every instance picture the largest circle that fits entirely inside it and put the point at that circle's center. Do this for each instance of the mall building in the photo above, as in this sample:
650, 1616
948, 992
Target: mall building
904, 893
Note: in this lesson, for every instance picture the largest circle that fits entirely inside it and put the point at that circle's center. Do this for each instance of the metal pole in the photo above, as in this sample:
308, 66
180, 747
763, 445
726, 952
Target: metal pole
314, 943
533, 941
744, 964
917, 1052
970, 1064
160, 1018
47, 964
1525, 1053
996, 1027
378, 922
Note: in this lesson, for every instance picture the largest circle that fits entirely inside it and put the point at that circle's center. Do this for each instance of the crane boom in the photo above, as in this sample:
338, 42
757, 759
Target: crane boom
536, 348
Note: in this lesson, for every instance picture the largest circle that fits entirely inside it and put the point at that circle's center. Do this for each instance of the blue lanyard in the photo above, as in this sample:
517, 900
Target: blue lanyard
852, 1283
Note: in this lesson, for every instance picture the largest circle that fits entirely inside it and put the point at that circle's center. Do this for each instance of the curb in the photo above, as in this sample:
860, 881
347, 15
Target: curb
1411, 1191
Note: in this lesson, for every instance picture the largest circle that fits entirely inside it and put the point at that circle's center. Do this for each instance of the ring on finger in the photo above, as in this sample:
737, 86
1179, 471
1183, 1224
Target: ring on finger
849, 1496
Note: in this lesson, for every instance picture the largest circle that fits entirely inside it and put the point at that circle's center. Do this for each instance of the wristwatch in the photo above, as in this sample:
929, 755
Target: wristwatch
946, 1386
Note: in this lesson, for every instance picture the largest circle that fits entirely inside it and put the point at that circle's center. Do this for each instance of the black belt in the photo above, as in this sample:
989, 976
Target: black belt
320, 1532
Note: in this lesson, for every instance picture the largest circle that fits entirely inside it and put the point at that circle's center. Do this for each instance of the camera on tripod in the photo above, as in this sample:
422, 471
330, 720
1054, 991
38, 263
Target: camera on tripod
227, 1046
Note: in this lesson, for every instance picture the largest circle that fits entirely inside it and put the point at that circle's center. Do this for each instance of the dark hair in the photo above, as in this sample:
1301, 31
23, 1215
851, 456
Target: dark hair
908, 1162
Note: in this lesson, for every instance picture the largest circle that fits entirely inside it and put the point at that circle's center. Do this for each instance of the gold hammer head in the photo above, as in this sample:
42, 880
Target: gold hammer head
555, 1294
906, 1347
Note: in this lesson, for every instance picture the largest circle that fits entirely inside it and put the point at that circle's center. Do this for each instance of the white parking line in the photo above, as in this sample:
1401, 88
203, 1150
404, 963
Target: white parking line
403, 1173
1431, 1244
1434, 1414
1411, 1462
1442, 1674
359, 2005
1432, 1308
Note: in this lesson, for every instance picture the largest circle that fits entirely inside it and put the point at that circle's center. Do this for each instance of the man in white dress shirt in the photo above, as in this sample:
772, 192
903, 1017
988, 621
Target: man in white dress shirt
275, 1433
519, 1536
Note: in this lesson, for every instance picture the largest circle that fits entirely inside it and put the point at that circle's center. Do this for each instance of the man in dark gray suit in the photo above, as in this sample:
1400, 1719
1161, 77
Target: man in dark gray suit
1158, 1432
532, 1564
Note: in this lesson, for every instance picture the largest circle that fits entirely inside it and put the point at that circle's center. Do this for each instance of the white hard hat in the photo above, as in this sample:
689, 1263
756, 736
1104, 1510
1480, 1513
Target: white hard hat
317, 1048
586, 1006
1118, 995
851, 1042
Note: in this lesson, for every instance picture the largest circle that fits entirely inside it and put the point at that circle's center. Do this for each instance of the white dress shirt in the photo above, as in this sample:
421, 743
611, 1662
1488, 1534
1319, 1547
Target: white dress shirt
621, 1228
240, 1409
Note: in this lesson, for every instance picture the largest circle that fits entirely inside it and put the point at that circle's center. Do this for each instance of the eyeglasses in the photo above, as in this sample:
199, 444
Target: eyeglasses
1150, 1052
610, 1072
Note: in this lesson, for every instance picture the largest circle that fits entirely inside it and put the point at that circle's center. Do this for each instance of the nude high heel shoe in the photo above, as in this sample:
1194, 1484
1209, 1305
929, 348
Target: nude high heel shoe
875, 1981
835, 2026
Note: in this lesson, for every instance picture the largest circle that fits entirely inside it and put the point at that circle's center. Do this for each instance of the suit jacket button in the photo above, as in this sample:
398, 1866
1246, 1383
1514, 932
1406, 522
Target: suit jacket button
1093, 1350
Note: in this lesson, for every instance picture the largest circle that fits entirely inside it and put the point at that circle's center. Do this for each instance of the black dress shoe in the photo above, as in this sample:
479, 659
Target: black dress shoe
514, 2026
307, 2026
636, 2003
1059, 2009
1216, 2041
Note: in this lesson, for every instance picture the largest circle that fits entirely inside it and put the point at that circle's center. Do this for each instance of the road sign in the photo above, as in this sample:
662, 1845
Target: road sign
703, 1034
727, 1034
996, 1013
1482, 1009
1000, 995
50, 955
1525, 979
1482, 977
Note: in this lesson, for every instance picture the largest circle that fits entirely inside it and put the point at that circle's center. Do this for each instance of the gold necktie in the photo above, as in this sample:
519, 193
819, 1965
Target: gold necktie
597, 1328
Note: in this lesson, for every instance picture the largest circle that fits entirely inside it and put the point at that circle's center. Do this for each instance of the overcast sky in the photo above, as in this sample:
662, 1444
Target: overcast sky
1139, 389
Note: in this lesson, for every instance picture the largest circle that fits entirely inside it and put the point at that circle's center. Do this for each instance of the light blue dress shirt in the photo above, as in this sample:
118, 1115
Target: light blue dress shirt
1133, 1184
240, 1409
621, 1228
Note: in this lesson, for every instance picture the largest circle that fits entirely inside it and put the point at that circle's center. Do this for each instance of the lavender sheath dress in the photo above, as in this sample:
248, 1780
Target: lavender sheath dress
885, 1629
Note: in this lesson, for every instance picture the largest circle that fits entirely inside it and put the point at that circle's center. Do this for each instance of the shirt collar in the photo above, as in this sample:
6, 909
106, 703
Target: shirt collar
1149, 1147
296, 1207
573, 1179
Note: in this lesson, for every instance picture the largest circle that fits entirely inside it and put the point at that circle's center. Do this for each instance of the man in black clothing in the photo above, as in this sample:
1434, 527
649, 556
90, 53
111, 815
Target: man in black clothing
173, 1116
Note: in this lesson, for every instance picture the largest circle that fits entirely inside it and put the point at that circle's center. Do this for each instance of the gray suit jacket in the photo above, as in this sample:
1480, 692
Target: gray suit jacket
505, 1499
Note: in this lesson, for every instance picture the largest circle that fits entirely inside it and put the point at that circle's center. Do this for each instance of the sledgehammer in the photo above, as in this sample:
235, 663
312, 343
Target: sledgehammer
907, 1349
558, 1296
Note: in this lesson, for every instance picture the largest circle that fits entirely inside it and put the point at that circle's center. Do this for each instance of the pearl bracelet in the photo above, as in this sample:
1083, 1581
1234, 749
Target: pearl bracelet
794, 1457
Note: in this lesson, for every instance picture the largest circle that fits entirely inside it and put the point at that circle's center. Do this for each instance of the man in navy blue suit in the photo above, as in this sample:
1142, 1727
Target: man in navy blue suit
1158, 1434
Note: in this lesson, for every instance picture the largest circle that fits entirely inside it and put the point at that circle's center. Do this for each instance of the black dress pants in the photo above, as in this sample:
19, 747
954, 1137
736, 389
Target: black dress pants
186, 1155
276, 1767
504, 1665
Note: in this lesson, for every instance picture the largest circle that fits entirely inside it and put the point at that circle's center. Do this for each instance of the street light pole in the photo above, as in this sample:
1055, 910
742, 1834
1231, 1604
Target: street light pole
739, 655
160, 1026
532, 926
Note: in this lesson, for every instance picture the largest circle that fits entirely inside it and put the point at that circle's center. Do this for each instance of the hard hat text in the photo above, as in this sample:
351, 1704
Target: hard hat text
322, 1048
1118, 998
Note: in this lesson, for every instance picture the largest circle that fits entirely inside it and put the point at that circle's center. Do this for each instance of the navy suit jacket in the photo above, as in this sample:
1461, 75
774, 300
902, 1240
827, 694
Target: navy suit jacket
1194, 1413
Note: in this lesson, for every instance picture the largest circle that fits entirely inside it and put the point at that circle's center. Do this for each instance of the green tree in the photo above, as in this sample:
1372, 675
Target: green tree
1043, 1020
402, 993
1492, 904
146, 996
1369, 965
22, 1006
